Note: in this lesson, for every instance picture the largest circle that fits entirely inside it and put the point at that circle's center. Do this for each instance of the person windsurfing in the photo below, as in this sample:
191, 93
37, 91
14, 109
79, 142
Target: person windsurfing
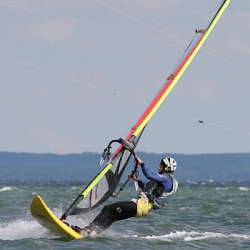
154, 195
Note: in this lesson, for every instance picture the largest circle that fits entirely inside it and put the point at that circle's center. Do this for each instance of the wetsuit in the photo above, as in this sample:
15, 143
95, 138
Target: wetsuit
158, 185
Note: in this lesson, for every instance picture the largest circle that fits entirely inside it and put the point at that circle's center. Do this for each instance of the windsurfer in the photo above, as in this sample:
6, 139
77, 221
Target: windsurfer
154, 195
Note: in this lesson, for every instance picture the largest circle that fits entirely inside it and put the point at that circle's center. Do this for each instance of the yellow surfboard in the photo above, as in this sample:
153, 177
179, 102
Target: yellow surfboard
43, 215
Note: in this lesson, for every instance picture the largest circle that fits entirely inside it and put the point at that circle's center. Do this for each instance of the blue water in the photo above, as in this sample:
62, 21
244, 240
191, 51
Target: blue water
209, 215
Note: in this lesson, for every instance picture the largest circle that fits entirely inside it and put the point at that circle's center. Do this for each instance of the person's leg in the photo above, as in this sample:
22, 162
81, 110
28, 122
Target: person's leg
109, 214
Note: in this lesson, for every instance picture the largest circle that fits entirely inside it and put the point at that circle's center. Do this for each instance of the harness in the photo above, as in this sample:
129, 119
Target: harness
153, 196
155, 192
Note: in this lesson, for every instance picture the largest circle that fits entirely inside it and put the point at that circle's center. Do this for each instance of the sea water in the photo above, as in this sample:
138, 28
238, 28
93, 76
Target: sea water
202, 215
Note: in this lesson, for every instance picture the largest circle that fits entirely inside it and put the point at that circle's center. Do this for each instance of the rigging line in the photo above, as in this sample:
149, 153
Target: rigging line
231, 30
204, 122
182, 41
222, 25
155, 21
116, 29
235, 32
135, 19
120, 96
223, 59
189, 8
92, 24
64, 76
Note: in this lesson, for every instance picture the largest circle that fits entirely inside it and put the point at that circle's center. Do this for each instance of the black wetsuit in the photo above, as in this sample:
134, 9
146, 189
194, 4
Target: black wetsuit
127, 209
111, 213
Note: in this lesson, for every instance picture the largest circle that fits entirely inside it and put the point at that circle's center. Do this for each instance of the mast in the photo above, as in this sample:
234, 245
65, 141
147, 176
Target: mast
121, 156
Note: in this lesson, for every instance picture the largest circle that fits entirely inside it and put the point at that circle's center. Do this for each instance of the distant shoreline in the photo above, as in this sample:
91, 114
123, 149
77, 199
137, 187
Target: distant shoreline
83, 167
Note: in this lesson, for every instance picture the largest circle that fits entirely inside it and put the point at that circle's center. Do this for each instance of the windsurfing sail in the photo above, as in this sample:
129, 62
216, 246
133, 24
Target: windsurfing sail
104, 184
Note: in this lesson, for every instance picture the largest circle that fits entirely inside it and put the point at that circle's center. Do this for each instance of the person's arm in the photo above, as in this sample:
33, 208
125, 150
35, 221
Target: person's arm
151, 175
154, 176
135, 178
148, 174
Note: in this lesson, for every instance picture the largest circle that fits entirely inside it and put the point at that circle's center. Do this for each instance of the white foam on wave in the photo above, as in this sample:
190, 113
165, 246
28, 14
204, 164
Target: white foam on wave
20, 229
243, 189
29, 228
210, 235
171, 236
195, 236
203, 236
192, 182
222, 188
6, 189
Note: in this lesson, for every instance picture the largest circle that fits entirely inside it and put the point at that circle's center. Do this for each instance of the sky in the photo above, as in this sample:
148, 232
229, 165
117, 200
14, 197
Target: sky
78, 74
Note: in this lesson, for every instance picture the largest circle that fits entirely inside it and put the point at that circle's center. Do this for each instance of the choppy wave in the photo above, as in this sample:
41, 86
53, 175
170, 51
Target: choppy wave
201, 216
193, 236
6, 189
21, 229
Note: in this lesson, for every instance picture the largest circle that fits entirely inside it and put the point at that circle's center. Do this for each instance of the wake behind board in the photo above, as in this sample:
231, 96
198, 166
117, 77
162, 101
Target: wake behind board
43, 215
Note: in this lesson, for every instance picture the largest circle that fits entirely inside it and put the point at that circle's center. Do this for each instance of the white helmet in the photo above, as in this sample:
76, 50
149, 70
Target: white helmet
169, 164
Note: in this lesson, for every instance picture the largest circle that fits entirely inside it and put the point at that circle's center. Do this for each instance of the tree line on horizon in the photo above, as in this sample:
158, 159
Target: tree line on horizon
84, 166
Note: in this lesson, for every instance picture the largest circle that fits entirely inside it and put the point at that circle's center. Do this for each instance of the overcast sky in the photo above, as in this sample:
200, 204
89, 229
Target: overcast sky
77, 74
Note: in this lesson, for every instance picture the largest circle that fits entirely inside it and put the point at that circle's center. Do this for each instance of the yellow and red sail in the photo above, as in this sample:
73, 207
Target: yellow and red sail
105, 182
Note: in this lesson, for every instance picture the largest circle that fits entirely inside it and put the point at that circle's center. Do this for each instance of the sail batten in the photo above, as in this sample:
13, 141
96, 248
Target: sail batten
105, 182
